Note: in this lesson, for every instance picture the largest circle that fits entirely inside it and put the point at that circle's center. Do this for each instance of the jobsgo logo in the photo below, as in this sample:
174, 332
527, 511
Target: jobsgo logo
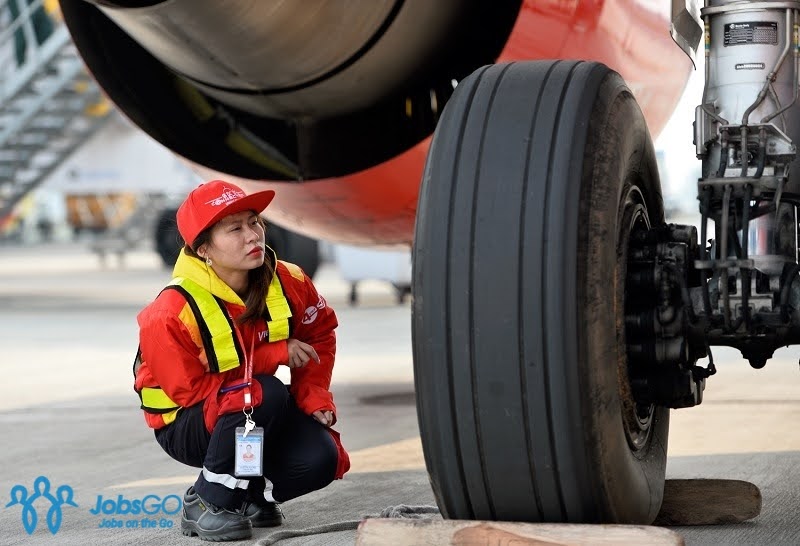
117, 512
149, 505
41, 489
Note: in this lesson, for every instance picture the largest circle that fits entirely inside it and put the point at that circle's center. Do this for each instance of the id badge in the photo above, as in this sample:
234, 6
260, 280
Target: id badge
249, 452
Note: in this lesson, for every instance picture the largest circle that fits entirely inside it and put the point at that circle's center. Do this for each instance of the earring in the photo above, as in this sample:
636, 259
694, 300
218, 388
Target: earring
208, 261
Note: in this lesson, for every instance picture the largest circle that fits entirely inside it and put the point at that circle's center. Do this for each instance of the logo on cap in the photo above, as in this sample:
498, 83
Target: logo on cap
228, 196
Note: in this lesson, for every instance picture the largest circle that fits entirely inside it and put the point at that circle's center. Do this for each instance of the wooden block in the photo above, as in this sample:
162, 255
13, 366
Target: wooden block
397, 531
708, 502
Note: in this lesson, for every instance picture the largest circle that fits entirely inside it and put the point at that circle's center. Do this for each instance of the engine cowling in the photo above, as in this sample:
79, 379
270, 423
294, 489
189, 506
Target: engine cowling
265, 89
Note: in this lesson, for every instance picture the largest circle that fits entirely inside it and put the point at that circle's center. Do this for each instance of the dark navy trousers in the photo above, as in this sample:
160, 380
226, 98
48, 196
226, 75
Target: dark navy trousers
299, 454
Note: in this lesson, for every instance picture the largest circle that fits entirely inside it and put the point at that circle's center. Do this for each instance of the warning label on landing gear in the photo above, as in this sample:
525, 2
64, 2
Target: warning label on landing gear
753, 32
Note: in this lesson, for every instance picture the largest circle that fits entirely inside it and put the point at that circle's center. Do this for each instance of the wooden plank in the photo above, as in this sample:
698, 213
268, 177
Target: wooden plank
708, 502
434, 532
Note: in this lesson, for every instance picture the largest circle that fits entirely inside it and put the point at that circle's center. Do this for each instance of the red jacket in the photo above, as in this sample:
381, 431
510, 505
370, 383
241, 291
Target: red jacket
173, 357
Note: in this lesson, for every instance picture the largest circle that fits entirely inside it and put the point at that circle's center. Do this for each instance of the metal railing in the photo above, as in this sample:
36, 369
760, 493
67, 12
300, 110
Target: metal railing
48, 102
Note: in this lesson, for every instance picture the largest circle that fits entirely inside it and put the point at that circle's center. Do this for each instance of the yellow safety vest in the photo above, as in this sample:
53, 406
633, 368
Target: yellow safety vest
221, 344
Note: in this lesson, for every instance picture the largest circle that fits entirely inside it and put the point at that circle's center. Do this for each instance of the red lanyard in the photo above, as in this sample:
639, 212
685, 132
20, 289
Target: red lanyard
248, 369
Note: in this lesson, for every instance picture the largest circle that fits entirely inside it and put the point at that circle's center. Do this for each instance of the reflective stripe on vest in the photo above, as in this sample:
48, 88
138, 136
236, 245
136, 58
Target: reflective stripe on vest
216, 326
216, 330
156, 400
278, 311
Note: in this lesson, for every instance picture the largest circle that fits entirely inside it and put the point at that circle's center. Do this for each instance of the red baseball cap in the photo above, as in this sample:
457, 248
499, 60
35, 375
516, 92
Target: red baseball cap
210, 202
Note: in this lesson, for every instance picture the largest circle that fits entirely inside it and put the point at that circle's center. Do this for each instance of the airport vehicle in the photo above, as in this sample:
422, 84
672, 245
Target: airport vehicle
556, 317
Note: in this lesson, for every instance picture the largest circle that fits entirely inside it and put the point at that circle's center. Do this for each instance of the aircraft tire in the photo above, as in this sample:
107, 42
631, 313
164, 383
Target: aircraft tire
167, 238
536, 174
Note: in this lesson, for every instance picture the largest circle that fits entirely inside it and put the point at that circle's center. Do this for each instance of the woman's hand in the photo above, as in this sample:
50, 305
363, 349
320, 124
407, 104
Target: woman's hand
300, 353
324, 417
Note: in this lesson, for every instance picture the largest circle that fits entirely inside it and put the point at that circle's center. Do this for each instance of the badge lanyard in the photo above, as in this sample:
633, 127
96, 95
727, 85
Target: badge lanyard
249, 424
249, 440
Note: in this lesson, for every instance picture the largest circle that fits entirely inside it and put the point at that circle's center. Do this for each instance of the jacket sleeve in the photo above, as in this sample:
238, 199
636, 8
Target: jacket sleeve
313, 322
269, 356
174, 359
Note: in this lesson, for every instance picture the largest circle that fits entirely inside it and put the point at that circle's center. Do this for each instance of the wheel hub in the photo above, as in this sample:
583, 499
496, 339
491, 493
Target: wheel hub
637, 414
658, 311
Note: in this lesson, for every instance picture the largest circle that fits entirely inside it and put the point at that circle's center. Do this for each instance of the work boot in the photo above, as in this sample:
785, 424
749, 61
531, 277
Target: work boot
212, 523
263, 514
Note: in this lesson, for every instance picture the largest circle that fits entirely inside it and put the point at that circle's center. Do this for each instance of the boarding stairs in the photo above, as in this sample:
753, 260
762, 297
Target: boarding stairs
49, 104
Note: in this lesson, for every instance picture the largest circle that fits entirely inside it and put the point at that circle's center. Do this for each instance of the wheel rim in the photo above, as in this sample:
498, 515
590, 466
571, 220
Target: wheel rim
637, 417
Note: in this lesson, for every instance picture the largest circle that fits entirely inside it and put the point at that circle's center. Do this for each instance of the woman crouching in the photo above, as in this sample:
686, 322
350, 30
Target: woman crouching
210, 345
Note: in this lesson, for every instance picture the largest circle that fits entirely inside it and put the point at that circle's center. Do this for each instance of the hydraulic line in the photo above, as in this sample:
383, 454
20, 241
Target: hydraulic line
748, 193
723, 155
723, 254
762, 152
706, 204
771, 76
796, 40
745, 153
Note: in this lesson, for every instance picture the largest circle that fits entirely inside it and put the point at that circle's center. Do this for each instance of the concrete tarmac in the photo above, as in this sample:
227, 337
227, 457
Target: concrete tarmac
68, 413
